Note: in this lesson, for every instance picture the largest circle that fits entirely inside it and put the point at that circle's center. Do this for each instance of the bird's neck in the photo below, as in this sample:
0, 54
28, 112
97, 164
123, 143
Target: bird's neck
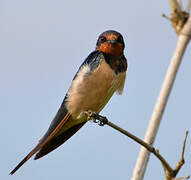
117, 63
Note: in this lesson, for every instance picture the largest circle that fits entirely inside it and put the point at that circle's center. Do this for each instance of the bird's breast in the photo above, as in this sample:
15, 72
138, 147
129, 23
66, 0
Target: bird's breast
91, 90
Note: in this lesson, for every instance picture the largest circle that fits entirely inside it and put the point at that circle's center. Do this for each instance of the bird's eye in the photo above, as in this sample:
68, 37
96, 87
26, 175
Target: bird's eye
120, 39
102, 39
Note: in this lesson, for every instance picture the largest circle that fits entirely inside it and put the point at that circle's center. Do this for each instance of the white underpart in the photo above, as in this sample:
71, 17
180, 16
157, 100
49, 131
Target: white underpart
117, 85
92, 89
122, 83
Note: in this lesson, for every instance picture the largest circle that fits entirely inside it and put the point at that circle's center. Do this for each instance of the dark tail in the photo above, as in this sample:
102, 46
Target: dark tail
61, 117
26, 158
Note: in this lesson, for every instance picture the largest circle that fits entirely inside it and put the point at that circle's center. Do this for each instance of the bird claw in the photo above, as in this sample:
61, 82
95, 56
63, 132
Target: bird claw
89, 115
96, 118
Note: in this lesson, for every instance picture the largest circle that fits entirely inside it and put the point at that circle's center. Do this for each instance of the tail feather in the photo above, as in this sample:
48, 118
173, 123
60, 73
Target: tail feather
37, 148
42, 142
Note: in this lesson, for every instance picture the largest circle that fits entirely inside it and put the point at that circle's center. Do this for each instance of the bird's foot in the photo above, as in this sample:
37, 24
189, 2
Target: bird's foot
96, 118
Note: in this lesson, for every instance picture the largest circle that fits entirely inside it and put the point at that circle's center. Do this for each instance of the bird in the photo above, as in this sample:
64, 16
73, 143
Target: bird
101, 75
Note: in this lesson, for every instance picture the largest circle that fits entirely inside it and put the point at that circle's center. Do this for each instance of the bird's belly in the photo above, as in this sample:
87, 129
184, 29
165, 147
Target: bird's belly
90, 96
93, 92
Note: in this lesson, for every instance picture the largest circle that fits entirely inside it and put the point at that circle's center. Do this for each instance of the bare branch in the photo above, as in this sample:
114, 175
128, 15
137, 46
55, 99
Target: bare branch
181, 178
188, 6
178, 15
179, 3
181, 21
175, 6
170, 173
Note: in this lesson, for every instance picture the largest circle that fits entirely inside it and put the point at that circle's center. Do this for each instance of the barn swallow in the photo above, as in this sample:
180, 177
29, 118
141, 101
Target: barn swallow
101, 74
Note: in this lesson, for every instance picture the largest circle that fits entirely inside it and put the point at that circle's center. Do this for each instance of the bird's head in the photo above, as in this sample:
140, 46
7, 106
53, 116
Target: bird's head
110, 42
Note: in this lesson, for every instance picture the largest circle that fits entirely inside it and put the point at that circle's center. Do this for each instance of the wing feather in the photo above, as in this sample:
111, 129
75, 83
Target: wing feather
54, 128
58, 140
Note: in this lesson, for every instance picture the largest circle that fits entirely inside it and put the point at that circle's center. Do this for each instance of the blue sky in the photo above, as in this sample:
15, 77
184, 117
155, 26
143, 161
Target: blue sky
42, 44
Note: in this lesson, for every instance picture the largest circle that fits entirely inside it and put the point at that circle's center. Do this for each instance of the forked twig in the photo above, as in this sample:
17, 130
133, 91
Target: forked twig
181, 162
178, 16
170, 173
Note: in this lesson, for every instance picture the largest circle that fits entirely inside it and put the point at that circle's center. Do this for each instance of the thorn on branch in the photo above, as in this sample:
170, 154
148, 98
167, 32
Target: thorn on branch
165, 16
